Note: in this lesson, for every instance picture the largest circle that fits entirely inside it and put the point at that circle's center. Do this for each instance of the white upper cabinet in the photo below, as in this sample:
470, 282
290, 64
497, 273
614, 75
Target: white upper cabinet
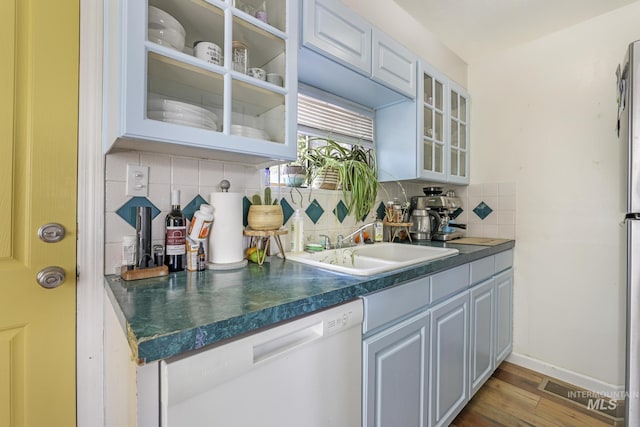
429, 139
432, 131
337, 41
232, 97
331, 28
393, 64
443, 117
458, 134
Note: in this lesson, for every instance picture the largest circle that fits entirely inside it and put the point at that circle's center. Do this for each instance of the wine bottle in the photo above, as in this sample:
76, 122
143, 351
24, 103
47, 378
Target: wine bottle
175, 235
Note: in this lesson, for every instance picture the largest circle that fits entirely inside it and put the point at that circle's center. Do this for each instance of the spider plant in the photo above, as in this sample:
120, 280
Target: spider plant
357, 172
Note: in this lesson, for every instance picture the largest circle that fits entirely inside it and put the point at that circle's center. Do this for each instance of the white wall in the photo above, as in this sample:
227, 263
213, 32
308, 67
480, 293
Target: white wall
399, 24
543, 117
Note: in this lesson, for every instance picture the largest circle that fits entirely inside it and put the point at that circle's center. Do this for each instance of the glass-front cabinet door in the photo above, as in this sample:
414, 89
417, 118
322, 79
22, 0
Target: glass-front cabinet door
459, 135
202, 74
432, 130
438, 140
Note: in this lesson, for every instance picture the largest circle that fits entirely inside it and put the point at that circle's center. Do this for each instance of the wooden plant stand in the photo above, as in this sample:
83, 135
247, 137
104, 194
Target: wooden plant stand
262, 239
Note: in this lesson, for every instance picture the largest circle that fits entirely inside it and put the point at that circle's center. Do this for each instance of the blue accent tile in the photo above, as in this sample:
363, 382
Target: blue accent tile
314, 211
340, 211
246, 204
455, 214
287, 210
381, 211
482, 210
128, 210
193, 206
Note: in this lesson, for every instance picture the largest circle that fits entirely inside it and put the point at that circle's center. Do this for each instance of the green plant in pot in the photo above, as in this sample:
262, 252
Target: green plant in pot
295, 173
354, 169
265, 216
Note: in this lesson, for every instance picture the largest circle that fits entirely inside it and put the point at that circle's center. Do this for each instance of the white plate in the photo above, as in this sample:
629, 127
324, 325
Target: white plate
188, 123
249, 132
160, 20
156, 102
186, 117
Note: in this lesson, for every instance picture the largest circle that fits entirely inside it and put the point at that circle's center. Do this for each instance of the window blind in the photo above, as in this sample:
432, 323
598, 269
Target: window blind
323, 118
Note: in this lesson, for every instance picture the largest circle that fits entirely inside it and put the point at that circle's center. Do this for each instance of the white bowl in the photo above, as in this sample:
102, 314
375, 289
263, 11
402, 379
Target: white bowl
161, 20
167, 37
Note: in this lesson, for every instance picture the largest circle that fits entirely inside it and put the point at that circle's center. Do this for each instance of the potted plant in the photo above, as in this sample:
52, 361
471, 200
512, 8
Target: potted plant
295, 173
265, 216
353, 169
323, 164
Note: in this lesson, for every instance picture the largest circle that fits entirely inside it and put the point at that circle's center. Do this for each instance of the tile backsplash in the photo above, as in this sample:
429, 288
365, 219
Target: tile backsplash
489, 209
323, 210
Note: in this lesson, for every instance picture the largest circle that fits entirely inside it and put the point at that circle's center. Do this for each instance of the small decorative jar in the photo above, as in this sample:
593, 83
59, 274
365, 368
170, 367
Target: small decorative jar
240, 57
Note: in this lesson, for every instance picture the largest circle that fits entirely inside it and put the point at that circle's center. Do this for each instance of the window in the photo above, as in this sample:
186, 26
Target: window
322, 115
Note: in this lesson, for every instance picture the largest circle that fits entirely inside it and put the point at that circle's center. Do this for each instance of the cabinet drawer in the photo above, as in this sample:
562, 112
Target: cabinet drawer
482, 269
390, 304
504, 260
449, 282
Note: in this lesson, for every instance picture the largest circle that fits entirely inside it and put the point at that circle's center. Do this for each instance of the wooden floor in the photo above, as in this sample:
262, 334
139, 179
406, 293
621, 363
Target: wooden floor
511, 398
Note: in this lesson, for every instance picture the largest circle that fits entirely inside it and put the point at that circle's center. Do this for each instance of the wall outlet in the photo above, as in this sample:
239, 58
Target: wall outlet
137, 180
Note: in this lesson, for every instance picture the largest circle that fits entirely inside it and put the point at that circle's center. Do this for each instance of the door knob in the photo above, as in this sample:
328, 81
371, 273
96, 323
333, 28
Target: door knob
51, 277
51, 233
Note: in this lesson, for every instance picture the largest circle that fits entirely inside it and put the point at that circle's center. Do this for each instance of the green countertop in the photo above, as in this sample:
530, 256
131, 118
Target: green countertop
171, 315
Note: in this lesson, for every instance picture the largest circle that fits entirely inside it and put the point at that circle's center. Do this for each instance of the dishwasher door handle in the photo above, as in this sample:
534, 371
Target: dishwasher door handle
287, 342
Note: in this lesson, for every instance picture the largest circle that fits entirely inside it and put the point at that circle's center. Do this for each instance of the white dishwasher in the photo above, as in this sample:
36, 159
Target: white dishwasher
306, 372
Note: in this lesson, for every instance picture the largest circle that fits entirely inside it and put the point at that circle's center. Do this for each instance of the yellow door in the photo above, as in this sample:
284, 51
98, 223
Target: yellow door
39, 43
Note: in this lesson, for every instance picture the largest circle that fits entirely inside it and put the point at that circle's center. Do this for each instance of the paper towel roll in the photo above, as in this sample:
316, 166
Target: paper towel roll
225, 239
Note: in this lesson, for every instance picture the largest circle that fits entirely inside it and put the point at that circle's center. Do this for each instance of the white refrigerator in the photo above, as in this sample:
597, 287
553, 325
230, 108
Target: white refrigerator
628, 127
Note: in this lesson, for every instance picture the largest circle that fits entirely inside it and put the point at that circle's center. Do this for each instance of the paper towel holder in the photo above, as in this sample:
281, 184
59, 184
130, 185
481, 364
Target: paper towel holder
224, 186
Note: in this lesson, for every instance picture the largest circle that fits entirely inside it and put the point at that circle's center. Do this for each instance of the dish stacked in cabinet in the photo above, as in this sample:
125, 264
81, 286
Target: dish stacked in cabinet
202, 74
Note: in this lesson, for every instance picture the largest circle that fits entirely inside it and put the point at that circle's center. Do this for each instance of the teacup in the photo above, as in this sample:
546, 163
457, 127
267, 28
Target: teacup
258, 73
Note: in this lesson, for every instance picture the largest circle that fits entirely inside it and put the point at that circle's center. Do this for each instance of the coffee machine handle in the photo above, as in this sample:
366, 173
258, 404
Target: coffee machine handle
435, 223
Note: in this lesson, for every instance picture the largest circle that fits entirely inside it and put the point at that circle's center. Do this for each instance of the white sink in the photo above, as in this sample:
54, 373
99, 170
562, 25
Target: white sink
371, 259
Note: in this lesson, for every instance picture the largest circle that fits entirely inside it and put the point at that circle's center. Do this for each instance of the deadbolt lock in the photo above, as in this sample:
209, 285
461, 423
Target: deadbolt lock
51, 233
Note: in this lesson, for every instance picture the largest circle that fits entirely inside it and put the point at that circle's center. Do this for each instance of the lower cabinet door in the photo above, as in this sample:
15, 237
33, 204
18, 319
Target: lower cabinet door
395, 375
482, 344
504, 315
449, 359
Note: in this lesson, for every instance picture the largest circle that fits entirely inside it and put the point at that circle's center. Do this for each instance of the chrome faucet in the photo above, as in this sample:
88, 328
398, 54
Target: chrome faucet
359, 231
327, 241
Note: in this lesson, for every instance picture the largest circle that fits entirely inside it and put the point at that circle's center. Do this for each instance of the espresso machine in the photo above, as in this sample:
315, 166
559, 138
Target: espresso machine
431, 216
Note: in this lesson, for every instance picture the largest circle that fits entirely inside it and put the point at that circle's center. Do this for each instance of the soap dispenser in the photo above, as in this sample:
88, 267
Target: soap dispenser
297, 232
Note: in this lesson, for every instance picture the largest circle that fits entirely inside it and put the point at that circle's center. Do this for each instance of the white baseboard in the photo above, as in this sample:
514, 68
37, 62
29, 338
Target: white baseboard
566, 375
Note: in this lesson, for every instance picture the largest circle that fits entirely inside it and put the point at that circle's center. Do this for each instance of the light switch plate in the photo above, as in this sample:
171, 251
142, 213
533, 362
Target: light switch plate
137, 180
